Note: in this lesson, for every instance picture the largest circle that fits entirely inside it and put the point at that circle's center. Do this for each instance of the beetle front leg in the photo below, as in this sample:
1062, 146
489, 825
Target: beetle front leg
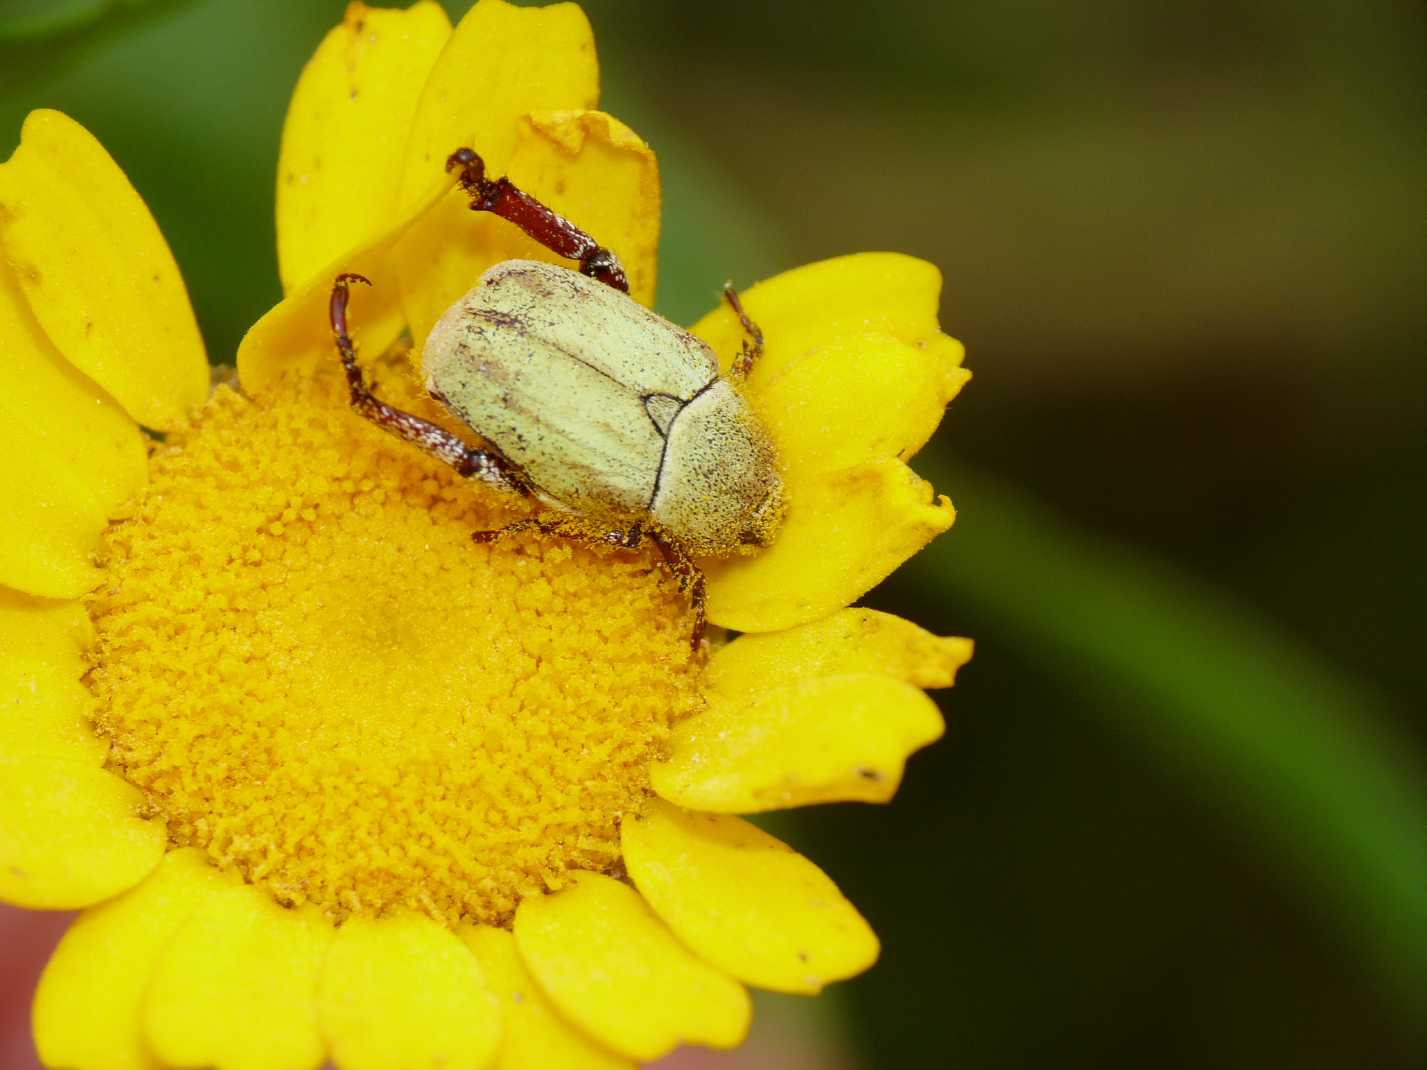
552, 230
752, 344
466, 460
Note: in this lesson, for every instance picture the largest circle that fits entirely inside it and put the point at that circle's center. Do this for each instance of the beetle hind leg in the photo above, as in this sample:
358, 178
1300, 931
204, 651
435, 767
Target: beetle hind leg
468, 461
501, 197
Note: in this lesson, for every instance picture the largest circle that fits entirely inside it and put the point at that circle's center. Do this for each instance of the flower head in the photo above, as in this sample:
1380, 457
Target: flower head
329, 779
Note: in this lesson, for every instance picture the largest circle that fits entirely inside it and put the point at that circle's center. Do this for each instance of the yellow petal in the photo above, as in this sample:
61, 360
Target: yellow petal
97, 272
848, 641
501, 62
44, 709
50, 520
829, 739
813, 305
613, 969
236, 987
87, 1009
745, 901
296, 333
68, 456
536, 1037
843, 533
346, 130
855, 397
70, 834
403, 992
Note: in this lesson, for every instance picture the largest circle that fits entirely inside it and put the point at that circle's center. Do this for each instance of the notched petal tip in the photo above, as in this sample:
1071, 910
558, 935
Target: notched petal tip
854, 378
844, 532
745, 901
403, 990
239, 960
70, 834
848, 641
99, 973
843, 738
536, 1036
613, 969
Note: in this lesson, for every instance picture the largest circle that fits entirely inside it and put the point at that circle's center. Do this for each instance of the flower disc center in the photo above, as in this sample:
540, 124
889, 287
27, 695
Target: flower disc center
315, 675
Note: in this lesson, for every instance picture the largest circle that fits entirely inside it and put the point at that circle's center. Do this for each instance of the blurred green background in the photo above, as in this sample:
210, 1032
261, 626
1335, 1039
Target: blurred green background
1180, 816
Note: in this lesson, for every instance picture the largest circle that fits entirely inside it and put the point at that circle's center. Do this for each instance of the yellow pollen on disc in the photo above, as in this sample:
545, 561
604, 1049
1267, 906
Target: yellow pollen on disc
316, 676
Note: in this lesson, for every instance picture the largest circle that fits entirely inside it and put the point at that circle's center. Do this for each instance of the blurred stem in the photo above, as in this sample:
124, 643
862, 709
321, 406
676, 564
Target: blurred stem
1295, 751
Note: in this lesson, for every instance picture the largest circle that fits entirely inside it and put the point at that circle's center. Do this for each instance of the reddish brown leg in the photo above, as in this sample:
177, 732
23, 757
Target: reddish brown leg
680, 565
555, 232
690, 579
752, 345
437, 441
625, 540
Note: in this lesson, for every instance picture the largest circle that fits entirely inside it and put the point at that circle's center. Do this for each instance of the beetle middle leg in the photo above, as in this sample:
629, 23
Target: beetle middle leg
687, 575
552, 230
468, 461
752, 343
629, 539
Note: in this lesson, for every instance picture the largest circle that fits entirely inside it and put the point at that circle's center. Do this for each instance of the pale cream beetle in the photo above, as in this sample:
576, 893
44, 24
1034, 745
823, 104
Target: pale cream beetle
586, 400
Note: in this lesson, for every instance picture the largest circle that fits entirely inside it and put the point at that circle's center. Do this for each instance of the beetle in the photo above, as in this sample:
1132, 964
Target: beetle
586, 401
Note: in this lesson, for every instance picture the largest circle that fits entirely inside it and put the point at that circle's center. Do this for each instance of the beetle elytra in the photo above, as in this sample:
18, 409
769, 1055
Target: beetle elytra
603, 411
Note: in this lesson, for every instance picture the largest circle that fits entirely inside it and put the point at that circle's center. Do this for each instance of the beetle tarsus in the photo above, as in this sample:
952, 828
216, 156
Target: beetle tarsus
752, 343
690, 579
471, 463
503, 198
687, 575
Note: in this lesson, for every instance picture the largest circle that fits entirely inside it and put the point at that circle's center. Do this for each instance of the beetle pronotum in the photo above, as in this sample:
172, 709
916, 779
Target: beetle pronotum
587, 401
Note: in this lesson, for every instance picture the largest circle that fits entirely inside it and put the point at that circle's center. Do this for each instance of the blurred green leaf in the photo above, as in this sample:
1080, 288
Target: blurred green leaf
39, 37
34, 20
1303, 757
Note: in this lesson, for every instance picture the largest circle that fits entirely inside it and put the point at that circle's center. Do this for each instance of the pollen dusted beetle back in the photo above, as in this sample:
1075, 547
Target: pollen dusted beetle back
610, 411
603, 410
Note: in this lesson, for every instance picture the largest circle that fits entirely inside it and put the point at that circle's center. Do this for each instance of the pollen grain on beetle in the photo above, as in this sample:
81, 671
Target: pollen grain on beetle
348, 701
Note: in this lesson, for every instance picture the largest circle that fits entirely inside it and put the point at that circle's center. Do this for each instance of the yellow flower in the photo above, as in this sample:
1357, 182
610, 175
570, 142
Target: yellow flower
328, 779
